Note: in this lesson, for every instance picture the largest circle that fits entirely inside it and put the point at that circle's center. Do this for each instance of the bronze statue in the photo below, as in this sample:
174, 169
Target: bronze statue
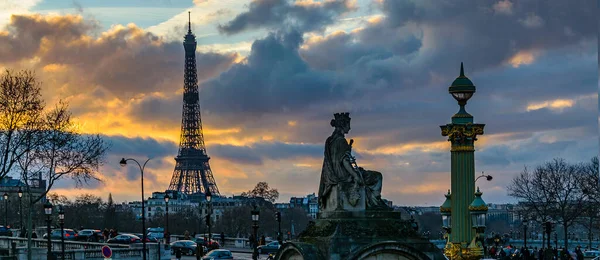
341, 172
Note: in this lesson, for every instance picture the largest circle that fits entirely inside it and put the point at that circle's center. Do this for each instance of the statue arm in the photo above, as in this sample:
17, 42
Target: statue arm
355, 174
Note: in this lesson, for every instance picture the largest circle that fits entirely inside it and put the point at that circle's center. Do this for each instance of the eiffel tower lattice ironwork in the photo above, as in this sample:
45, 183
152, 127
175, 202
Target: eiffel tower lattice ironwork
192, 172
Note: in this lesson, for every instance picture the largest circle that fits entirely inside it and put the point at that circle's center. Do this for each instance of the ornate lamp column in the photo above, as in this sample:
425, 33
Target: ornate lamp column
478, 209
446, 211
462, 133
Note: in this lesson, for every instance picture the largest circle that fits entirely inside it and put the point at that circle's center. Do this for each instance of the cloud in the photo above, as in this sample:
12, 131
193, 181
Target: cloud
303, 15
255, 153
68, 42
503, 7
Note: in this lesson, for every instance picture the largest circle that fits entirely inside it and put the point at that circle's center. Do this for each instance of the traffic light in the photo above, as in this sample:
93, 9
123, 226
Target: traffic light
278, 216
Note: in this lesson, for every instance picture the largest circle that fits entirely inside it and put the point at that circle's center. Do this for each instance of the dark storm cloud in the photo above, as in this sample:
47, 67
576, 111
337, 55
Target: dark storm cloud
274, 78
146, 147
276, 13
267, 150
124, 60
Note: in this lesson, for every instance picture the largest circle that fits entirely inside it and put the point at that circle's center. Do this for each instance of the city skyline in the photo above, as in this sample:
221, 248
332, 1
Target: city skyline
272, 73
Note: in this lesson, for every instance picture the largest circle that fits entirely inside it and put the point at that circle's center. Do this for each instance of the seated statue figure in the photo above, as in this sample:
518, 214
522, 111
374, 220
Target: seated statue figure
340, 170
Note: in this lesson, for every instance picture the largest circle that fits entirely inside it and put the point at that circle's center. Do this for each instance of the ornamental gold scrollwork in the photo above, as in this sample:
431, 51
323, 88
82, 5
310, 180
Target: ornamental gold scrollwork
442, 209
479, 208
462, 134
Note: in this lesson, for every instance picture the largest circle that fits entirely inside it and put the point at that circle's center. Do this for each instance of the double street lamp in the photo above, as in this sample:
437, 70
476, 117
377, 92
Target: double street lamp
20, 193
525, 224
61, 221
123, 163
255, 214
167, 234
48, 212
5, 209
208, 214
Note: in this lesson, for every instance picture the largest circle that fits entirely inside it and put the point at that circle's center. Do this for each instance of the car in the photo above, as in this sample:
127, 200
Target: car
213, 244
124, 239
89, 235
187, 247
272, 247
218, 254
68, 234
4, 231
148, 239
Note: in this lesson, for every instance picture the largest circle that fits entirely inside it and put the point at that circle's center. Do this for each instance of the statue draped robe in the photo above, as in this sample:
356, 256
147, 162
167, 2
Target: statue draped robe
337, 150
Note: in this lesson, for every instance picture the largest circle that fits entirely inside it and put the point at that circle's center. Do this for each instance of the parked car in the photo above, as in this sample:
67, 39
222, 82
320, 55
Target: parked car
187, 247
124, 239
68, 234
272, 247
218, 254
4, 231
88, 235
148, 239
211, 245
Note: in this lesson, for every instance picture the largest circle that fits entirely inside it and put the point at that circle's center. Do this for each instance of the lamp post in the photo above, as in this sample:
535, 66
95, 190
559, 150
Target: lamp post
61, 221
525, 223
20, 193
48, 212
278, 219
255, 214
167, 219
487, 177
446, 211
208, 214
123, 163
462, 133
478, 209
5, 209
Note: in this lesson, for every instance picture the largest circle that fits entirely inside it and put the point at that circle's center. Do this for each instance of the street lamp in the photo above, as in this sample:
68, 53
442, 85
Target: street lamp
5, 209
123, 163
20, 193
168, 235
446, 211
48, 212
487, 177
61, 221
478, 210
525, 223
209, 213
255, 214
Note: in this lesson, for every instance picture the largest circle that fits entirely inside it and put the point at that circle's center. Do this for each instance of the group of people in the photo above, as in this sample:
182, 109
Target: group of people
524, 253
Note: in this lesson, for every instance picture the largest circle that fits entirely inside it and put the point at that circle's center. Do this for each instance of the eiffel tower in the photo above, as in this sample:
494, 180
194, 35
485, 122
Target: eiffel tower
192, 174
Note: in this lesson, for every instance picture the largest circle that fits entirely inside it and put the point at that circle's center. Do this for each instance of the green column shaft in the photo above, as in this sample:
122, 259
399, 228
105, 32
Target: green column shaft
463, 189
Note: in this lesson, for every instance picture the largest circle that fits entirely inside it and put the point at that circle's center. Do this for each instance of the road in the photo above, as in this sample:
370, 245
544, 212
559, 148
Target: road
243, 256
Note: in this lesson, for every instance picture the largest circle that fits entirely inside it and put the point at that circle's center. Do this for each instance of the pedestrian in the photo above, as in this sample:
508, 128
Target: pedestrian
262, 240
223, 239
178, 253
33, 234
579, 253
186, 235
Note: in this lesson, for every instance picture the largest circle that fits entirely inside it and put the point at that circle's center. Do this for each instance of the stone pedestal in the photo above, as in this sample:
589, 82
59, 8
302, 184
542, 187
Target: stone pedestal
360, 235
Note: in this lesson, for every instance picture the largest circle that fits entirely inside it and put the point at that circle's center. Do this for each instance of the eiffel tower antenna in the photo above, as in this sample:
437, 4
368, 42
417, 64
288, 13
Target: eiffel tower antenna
189, 22
192, 174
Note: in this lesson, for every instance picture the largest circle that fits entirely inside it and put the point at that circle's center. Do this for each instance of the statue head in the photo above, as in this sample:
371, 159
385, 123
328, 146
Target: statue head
341, 122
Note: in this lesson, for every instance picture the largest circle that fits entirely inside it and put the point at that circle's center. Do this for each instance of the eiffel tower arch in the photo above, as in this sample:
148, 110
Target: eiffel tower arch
192, 174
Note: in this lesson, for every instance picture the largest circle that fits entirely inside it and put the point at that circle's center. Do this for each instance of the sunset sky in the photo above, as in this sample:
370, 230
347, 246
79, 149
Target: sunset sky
273, 72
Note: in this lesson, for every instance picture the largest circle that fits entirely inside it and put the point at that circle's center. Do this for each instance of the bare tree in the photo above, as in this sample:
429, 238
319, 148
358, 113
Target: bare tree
20, 108
262, 190
554, 190
42, 144
536, 199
